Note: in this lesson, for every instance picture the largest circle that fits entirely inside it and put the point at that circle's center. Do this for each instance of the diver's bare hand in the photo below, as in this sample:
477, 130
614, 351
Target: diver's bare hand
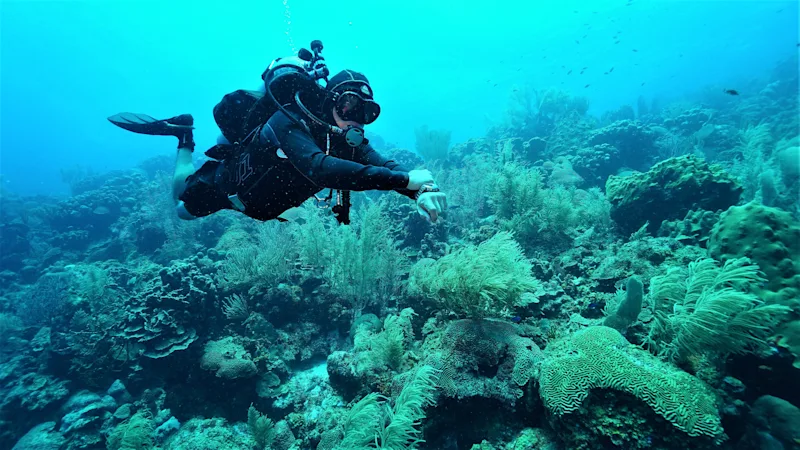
416, 178
431, 204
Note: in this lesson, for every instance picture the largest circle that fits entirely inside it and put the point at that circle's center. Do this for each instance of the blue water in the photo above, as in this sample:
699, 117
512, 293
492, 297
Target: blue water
67, 65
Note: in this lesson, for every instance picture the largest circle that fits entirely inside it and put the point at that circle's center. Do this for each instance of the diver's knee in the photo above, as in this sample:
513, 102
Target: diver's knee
182, 212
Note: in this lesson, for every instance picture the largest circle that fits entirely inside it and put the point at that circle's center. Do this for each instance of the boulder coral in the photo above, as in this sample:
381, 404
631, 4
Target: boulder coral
668, 191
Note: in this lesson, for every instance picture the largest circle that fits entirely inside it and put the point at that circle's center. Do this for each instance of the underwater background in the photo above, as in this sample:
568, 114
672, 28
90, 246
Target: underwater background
619, 266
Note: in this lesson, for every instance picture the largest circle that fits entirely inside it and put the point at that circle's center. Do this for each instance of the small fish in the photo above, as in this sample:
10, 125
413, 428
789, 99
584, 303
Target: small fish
731, 91
586, 86
605, 73
611, 70
570, 72
577, 41
642, 83
516, 319
616, 42
581, 73
495, 85
584, 36
635, 51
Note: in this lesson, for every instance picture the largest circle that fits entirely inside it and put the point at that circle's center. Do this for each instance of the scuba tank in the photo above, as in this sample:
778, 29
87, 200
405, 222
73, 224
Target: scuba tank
241, 112
289, 76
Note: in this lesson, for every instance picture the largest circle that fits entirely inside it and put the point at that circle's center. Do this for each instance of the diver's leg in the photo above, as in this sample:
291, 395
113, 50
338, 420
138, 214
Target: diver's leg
183, 165
178, 126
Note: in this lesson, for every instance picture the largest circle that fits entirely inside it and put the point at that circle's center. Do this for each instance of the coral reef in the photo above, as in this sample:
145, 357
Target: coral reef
634, 141
768, 236
668, 191
508, 359
617, 242
600, 358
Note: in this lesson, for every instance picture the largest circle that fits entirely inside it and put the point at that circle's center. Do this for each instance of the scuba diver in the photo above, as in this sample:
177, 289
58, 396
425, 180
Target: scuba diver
284, 145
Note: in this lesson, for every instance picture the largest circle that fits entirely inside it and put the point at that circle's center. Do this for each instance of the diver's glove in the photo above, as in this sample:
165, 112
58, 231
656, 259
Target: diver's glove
431, 202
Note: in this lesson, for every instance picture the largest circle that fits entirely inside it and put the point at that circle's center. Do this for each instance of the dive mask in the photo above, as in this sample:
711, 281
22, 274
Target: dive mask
352, 106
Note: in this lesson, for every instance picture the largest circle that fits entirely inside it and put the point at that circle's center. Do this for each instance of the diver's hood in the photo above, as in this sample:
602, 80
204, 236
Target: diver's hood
314, 106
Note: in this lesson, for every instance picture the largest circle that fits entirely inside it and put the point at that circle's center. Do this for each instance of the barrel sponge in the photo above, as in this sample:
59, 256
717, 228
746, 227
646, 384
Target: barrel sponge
599, 357
770, 237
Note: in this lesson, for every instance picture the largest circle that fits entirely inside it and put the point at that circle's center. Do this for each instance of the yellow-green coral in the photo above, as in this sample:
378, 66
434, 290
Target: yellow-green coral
600, 358
477, 281
135, 433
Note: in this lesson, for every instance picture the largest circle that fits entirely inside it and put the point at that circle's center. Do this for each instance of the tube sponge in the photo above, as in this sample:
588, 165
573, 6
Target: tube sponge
628, 310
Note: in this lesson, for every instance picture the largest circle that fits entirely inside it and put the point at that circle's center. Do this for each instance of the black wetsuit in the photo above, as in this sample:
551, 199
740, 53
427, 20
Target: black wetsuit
283, 167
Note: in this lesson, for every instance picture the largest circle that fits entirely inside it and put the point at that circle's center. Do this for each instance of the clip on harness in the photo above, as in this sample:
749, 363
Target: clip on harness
341, 210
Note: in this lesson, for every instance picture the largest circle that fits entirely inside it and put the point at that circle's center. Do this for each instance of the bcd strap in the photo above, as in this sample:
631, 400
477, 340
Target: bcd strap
342, 208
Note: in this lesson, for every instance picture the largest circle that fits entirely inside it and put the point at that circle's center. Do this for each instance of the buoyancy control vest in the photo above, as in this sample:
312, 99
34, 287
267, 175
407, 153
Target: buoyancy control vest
241, 113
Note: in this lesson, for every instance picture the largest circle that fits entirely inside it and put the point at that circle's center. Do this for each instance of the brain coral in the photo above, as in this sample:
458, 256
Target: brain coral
600, 358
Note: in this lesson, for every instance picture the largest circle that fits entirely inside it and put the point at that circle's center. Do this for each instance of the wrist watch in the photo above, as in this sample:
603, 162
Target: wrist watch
428, 187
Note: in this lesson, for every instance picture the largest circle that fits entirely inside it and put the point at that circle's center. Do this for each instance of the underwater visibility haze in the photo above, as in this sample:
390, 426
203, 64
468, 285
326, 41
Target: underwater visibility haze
403, 225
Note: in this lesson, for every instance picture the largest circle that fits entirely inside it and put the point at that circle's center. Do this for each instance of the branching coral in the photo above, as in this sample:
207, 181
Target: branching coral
432, 145
388, 347
265, 262
135, 433
261, 428
372, 423
363, 266
710, 310
477, 281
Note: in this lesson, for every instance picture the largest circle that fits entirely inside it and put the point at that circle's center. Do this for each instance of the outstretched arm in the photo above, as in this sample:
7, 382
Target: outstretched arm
327, 171
429, 204
368, 156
